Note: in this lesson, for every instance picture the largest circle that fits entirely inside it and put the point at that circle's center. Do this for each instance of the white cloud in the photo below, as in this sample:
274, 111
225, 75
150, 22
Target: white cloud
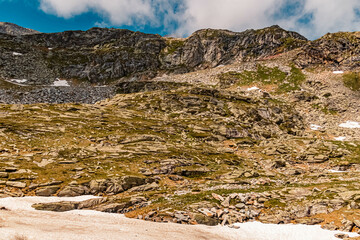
332, 16
236, 15
323, 15
190, 15
118, 12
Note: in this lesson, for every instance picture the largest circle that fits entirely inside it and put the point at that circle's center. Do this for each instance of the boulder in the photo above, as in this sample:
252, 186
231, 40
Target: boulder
16, 184
47, 191
56, 207
73, 191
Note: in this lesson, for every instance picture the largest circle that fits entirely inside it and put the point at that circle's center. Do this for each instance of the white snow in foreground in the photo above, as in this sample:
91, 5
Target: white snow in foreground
338, 72
350, 124
315, 127
22, 220
61, 83
286, 232
17, 54
253, 89
340, 138
336, 171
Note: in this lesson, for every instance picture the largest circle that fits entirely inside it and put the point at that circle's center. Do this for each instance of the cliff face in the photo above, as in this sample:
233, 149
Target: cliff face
333, 50
101, 55
13, 29
209, 48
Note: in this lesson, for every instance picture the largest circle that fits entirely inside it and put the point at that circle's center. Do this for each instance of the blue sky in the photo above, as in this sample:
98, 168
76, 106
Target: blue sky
28, 14
312, 18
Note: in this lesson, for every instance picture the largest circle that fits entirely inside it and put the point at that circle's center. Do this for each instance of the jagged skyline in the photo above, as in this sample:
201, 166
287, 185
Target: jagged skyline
181, 18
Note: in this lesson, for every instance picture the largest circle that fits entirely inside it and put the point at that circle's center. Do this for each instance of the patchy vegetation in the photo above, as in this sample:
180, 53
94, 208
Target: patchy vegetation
282, 81
352, 80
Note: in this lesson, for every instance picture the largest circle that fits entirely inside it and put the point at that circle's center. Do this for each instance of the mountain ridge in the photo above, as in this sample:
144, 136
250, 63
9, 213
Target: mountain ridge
13, 29
99, 55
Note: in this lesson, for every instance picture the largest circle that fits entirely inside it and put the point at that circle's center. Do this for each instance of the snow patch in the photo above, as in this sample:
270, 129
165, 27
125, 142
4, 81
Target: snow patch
25, 203
336, 171
338, 72
17, 54
262, 231
92, 225
340, 138
315, 127
61, 83
19, 80
350, 124
253, 89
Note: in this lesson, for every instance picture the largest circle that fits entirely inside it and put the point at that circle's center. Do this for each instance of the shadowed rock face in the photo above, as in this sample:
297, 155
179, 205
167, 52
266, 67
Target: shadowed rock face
101, 55
13, 29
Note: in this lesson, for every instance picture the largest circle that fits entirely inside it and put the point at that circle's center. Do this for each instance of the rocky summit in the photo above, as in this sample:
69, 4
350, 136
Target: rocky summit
218, 128
13, 29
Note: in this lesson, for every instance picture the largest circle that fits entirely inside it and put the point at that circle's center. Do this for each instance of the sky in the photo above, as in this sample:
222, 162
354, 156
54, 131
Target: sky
311, 18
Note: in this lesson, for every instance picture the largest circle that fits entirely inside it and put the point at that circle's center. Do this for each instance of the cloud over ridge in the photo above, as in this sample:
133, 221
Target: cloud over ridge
312, 18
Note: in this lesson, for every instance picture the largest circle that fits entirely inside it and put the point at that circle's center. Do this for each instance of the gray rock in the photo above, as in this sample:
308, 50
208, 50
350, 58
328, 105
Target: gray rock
47, 191
202, 219
16, 184
73, 191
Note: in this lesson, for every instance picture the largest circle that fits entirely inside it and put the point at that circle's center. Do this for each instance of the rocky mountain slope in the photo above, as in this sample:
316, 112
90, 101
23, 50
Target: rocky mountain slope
220, 127
102, 55
13, 29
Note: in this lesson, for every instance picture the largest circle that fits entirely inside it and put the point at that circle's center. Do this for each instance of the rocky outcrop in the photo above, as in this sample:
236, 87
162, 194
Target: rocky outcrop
334, 50
210, 48
101, 55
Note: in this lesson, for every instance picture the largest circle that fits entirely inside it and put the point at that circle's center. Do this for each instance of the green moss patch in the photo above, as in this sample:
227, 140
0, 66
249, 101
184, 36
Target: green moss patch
352, 81
285, 82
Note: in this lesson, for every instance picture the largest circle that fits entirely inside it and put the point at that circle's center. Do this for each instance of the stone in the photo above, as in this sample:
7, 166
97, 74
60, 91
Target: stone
347, 225
4, 175
112, 207
10, 169
47, 191
357, 223
206, 212
56, 207
205, 220
181, 216
348, 195
73, 191
97, 186
262, 200
217, 197
309, 221
16, 184
50, 183
88, 204
226, 202
330, 226
240, 205
129, 182
341, 235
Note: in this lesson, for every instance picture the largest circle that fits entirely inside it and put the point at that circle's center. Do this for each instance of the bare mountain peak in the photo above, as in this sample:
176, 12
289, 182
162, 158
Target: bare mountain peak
13, 29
